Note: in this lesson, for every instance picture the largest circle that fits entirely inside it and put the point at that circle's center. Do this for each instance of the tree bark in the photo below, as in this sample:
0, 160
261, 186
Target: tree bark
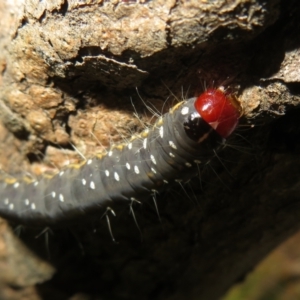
69, 70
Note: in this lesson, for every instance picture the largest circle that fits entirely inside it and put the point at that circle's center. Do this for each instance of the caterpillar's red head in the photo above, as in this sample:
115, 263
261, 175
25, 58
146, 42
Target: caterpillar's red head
219, 110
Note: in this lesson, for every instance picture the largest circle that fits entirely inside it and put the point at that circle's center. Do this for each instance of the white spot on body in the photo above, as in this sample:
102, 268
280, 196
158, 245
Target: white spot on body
185, 110
89, 161
26, 201
165, 181
187, 164
110, 153
117, 177
197, 161
172, 145
35, 183
153, 170
16, 185
130, 146
161, 132
194, 115
6, 201
61, 173
33, 207
92, 185
171, 154
107, 173
11, 206
145, 143
128, 166
61, 198
53, 194
83, 181
153, 159
136, 170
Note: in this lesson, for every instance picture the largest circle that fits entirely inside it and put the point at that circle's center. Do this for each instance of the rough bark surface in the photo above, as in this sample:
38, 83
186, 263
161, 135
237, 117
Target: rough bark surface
69, 70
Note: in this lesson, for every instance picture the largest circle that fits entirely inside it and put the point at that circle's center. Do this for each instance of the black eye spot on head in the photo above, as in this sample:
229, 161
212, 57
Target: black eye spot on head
195, 127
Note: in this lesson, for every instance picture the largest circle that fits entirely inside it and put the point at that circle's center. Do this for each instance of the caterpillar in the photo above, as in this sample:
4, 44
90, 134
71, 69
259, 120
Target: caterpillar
170, 151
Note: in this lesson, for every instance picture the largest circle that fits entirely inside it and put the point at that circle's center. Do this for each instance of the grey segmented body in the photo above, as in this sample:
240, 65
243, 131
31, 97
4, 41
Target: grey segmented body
169, 151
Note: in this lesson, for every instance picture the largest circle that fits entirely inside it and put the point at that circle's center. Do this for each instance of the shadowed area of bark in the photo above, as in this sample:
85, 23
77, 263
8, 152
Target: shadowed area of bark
69, 70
